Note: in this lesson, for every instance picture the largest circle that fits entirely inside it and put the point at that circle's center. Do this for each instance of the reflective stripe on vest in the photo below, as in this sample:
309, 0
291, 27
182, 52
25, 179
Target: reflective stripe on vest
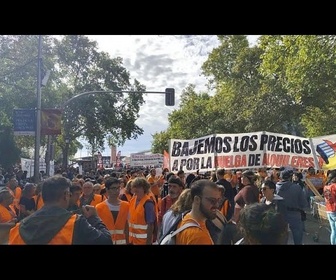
116, 231
138, 235
138, 226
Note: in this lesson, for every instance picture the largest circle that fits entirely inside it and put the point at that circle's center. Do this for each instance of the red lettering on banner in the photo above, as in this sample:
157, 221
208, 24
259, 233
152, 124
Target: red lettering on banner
230, 161
302, 162
275, 160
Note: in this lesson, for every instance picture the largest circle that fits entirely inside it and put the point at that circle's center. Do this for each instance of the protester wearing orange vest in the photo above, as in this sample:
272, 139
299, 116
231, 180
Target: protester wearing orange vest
142, 216
114, 212
88, 197
15, 190
8, 216
53, 224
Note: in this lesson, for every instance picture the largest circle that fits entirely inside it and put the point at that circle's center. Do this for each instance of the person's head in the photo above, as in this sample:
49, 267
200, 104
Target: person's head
76, 191
140, 187
189, 179
248, 178
97, 188
13, 182
28, 190
56, 190
6, 198
87, 188
169, 175
331, 177
112, 186
183, 202
134, 174
165, 171
213, 176
261, 224
297, 177
181, 175
311, 170
268, 189
220, 173
286, 175
38, 188
175, 187
128, 187
238, 174
206, 198
152, 172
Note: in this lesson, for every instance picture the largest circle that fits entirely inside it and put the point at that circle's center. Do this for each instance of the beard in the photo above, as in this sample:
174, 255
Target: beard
173, 195
207, 213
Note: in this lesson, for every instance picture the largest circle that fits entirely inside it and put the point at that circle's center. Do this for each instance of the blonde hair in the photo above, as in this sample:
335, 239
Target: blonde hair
183, 203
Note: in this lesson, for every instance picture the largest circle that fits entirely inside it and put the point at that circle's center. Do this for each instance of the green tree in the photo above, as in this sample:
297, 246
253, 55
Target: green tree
76, 66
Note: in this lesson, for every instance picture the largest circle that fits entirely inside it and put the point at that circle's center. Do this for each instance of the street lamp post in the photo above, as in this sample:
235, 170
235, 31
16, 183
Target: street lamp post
38, 116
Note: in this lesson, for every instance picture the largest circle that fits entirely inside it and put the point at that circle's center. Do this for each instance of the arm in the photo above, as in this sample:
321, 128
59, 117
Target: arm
90, 229
150, 218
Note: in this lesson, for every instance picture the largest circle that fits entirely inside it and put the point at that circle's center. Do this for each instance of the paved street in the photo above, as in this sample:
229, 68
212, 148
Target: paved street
317, 231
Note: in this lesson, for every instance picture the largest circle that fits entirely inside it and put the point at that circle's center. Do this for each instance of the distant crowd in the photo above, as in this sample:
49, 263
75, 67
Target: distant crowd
140, 207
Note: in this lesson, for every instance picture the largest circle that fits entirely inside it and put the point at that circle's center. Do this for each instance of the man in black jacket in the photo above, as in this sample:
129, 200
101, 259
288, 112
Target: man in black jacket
230, 192
53, 224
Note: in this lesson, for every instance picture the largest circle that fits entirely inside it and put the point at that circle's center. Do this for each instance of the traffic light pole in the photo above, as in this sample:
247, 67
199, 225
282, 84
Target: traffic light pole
169, 101
169, 92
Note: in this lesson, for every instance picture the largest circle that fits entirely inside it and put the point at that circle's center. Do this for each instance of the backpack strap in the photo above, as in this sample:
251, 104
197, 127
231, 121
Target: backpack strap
186, 225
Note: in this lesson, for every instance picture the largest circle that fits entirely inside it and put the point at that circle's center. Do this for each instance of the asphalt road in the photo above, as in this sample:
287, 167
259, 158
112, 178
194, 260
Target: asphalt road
317, 231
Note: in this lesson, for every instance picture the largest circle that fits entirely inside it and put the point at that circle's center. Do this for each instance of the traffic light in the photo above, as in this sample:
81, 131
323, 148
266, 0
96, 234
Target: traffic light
170, 96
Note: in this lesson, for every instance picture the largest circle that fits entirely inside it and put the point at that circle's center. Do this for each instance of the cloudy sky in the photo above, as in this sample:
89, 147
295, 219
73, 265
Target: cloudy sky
158, 62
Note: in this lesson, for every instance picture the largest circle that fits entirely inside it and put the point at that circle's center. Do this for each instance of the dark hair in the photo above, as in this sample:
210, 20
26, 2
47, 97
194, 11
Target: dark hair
260, 223
27, 188
250, 175
179, 172
299, 175
220, 172
111, 181
53, 188
331, 177
75, 187
169, 175
270, 184
198, 186
175, 180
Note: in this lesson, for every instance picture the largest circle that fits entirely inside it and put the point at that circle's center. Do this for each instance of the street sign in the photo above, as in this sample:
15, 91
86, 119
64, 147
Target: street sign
24, 121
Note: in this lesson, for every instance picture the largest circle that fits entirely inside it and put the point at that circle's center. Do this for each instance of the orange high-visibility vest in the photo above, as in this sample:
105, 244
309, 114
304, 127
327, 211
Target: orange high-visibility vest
63, 237
116, 227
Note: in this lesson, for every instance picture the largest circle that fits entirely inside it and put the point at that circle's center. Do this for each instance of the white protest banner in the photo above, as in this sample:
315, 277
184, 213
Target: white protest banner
28, 165
192, 155
146, 160
241, 150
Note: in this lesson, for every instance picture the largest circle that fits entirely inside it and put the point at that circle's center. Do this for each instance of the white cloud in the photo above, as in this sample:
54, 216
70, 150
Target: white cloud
158, 62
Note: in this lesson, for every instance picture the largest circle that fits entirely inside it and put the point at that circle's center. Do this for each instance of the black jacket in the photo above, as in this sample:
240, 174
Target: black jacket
41, 227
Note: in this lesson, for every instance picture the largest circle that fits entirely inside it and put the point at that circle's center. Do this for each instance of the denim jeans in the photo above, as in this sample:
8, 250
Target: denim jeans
332, 222
296, 227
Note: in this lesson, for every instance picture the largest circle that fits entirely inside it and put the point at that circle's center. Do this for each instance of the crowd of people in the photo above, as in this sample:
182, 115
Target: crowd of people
139, 208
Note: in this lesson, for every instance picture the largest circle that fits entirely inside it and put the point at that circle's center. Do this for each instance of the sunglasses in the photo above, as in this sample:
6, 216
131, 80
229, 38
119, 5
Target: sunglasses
212, 200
